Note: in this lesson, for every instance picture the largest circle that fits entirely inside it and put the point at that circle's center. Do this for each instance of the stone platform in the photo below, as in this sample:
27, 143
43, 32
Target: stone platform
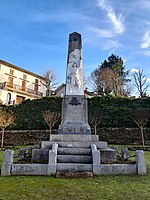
74, 140
73, 154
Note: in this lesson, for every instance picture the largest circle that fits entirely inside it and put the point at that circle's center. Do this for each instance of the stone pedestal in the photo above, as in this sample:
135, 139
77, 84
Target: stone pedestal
74, 115
8, 160
140, 161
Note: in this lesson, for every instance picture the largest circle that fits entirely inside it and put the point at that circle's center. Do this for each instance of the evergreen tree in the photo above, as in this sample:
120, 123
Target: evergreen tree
110, 76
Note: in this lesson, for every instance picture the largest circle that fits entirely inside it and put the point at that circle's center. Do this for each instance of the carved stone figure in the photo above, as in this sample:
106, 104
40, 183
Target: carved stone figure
74, 82
74, 106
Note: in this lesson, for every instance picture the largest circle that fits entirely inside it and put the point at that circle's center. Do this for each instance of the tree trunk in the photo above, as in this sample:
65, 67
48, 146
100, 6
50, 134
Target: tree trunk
95, 130
142, 133
50, 131
2, 140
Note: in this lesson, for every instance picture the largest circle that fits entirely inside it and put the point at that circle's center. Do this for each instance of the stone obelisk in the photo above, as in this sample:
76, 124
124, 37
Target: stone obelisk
74, 105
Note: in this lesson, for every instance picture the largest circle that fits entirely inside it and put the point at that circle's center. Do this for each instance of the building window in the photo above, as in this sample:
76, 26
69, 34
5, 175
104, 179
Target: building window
11, 72
10, 81
36, 86
24, 76
10, 78
23, 85
24, 82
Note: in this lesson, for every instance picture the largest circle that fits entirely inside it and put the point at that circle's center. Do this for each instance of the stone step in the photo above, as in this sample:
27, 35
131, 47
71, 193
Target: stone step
74, 167
74, 174
74, 151
48, 144
74, 159
74, 138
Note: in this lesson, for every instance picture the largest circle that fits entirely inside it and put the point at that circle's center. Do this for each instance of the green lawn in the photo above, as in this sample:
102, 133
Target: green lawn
109, 187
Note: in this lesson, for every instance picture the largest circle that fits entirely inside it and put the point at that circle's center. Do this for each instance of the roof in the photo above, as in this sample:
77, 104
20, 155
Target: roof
86, 92
21, 69
89, 93
60, 87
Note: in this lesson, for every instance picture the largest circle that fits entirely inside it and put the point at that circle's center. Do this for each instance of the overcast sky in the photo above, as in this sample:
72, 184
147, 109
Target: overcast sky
34, 33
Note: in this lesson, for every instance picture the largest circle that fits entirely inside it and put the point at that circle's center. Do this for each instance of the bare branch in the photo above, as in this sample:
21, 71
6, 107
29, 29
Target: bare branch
50, 81
106, 81
141, 117
140, 82
95, 117
6, 118
51, 118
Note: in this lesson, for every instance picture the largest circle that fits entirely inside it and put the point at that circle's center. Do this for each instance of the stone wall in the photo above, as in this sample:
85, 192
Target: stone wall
25, 137
123, 135
110, 135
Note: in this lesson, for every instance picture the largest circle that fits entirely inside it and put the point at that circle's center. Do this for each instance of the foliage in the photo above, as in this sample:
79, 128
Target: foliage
51, 118
29, 113
140, 83
116, 111
141, 118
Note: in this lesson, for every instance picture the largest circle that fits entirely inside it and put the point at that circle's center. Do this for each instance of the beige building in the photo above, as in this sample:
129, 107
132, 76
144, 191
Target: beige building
61, 90
17, 84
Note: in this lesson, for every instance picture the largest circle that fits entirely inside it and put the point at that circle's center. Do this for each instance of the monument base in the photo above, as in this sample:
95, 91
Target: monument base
74, 115
72, 156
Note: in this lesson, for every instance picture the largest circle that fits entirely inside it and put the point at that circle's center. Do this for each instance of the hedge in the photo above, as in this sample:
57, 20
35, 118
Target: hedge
29, 113
116, 111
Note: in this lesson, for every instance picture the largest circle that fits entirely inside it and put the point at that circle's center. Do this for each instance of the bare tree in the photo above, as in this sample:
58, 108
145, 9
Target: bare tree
6, 118
92, 83
51, 118
95, 117
127, 89
101, 80
140, 82
50, 82
141, 117
107, 77
0, 102
106, 81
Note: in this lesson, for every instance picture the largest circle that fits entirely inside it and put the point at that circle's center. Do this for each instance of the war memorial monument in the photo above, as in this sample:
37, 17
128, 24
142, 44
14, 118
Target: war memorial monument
74, 106
74, 151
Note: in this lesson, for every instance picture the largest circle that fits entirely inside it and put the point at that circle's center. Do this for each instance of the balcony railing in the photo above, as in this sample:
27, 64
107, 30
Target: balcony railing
14, 87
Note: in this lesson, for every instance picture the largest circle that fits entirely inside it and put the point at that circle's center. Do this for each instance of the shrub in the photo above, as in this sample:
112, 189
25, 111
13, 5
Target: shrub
116, 111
